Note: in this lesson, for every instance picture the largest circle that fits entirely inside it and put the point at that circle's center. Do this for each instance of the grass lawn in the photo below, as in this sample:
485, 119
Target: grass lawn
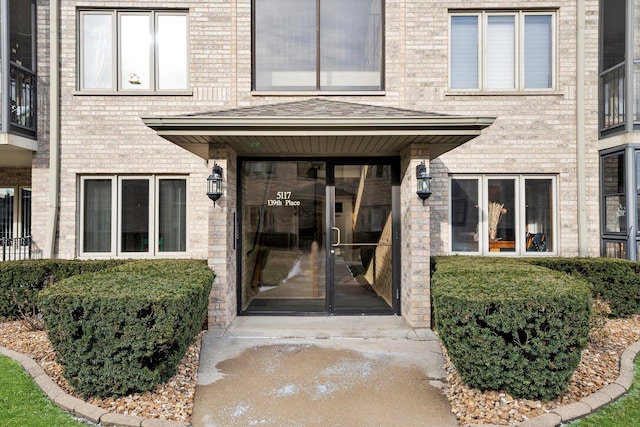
22, 403
622, 413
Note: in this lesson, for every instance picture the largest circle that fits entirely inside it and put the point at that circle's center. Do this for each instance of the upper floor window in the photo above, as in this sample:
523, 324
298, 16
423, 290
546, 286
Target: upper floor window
21, 34
122, 50
502, 50
310, 45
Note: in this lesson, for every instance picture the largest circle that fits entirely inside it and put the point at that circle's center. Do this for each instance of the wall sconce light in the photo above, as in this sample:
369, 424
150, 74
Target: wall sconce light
424, 181
214, 183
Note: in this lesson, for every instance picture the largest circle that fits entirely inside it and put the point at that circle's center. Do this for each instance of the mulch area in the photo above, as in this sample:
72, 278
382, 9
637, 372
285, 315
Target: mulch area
173, 400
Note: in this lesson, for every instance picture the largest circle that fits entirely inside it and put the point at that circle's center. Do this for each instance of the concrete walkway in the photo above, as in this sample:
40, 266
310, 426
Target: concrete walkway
308, 371
349, 371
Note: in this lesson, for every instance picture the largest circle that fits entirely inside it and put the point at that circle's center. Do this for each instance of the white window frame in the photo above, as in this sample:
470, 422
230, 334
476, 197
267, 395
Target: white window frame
116, 217
520, 217
117, 78
156, 215
19, 223
114, 207
484, 207
519, 70
14, 213
150, 215
16, 224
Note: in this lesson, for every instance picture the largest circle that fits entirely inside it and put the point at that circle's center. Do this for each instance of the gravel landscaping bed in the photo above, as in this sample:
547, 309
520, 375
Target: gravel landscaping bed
598, 368
174, 399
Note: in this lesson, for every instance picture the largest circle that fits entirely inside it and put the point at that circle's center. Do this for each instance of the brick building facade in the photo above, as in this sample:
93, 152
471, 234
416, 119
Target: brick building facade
134, 149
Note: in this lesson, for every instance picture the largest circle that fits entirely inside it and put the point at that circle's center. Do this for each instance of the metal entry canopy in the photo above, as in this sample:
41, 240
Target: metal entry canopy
318, 126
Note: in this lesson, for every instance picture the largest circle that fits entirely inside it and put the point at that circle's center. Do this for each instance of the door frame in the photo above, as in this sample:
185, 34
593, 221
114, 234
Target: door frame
329, 216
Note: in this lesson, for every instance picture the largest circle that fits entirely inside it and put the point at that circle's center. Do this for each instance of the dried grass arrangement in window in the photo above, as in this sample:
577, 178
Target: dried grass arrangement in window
496, 210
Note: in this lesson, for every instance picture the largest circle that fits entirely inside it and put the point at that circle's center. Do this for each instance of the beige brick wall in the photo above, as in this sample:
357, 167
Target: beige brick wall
416, 237
534, 133
221, 248
40, 162
104, 134
15, 177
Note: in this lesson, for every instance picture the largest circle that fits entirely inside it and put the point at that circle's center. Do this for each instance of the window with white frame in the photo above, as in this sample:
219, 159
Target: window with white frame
131, 50
15, 212
503, 214
133, 215
511, 50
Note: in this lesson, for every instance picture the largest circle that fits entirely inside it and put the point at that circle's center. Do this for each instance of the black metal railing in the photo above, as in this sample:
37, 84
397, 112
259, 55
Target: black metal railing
16, 248
613, 87
22, 100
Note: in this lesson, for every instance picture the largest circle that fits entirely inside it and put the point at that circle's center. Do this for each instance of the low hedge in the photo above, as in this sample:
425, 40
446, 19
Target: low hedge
125, 329
616, 281
512, 326
21, 280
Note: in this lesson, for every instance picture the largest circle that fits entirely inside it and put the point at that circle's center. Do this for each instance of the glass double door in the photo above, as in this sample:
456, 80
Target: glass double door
317, 237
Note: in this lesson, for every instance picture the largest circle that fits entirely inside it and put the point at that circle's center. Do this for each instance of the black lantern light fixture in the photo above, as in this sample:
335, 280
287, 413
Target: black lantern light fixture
424, 181
214, 183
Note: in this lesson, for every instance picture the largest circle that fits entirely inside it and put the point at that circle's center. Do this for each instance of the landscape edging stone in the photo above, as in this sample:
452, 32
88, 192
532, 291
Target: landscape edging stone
553, 418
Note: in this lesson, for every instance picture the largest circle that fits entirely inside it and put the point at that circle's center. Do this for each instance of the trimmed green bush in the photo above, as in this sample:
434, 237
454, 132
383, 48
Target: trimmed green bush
21, 280
616, 281
508, 325
125, 329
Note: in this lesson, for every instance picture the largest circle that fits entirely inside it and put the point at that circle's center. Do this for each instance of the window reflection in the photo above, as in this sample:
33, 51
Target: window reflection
501, 214
501, 52
172, 215
286, 45
171, 36
97, 215
97, 48
283, 205
614, 249
6, 212
613, 187
135, 215
350, 44
464, 215
135, 44
125, 216
538, 215
125, 50
21, 34
512, 215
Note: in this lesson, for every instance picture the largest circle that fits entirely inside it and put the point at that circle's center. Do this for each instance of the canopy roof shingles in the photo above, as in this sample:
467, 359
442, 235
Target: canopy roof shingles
318, 127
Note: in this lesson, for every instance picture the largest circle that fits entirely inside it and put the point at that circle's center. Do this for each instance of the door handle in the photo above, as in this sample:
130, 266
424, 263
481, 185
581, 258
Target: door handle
337, 230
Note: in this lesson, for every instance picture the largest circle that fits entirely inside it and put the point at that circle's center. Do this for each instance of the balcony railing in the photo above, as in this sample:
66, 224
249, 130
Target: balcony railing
17, 248
613, 87
22, 100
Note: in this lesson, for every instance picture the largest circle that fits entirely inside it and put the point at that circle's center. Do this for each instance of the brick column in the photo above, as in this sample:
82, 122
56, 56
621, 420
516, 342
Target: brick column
222, 255
415, 252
